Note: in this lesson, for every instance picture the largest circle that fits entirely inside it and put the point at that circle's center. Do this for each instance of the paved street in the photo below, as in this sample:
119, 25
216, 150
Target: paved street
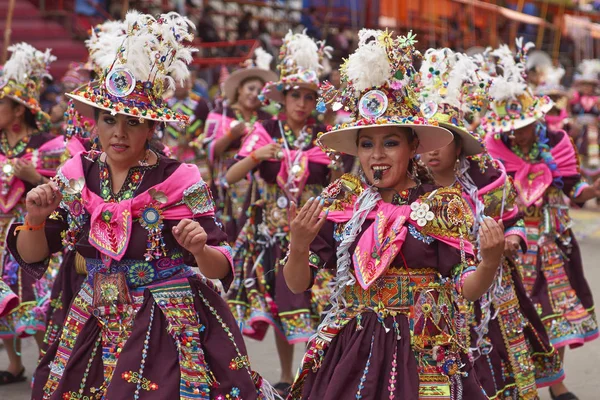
582, 365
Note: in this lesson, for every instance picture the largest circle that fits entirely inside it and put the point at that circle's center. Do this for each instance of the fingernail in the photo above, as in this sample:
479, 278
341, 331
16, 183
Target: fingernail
327, 213
175, 229
322, 202
311, 199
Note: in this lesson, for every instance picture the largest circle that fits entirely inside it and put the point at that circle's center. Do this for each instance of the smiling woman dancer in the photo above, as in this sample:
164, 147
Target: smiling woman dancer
545, 168
226, 128
144, 323
293, 170
512, 351
397, 244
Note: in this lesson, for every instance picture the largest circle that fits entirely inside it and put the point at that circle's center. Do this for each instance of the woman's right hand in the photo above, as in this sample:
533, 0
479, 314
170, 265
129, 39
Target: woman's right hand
41, 201
267, 152
491, 242
238, 130
306, 224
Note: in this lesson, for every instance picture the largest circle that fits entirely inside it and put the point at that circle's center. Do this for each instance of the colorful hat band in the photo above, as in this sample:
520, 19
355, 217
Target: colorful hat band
27, 95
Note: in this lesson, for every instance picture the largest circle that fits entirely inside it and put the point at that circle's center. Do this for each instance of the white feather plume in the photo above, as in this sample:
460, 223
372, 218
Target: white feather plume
588, 69
510, 81
367, 35
302, 52
104, 43
263, 58
27, 62
369, 65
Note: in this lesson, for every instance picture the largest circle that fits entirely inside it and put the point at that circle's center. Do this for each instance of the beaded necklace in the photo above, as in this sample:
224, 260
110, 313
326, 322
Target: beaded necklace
240, 117
531, 155
17, 149
132, 182
302, 141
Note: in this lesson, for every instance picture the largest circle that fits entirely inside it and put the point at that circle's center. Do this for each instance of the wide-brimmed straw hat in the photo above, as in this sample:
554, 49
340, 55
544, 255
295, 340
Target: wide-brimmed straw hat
22, 78
259, 68
301, 62
150, 59
380, 91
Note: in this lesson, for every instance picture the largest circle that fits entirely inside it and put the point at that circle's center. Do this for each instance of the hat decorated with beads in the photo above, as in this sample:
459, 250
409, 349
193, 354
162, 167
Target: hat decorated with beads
22, 77
301, 62
449, 88
259, 68
149, 60
380, 90
104, 43
513, 105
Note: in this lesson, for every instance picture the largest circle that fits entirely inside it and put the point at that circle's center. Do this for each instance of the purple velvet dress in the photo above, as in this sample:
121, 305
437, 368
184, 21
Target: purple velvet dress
259, 296
142, 327
405, 336
30, 315
513, 352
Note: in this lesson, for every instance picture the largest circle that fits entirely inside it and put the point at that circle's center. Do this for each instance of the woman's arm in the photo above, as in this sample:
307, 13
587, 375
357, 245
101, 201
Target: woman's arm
241, 168
223, 143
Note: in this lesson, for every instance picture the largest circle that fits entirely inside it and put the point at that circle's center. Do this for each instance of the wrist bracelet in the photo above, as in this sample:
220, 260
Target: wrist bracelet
254, 158
27, 227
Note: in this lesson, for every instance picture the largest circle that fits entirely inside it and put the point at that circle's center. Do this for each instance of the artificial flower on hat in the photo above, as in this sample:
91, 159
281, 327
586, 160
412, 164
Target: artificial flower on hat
150, 59
380, 90
259, 67
513, 104
301, 62
22, 78
450, 87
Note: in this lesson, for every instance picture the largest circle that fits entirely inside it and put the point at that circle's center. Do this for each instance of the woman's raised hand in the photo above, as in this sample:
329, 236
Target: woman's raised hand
491, 235
41, 201
268, 151
306, 224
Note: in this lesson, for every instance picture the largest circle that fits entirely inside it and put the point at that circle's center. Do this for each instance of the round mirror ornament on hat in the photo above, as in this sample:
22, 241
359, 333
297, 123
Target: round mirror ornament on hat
379, 89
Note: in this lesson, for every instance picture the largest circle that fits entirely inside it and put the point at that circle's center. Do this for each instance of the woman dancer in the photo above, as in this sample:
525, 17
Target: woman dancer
511, 348
545, 167
28, 157
293, 170
226, 128
398, 245
144, 324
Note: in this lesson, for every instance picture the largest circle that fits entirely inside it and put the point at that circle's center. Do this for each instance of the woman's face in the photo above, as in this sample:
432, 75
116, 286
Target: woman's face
299, 104
248, 94
8, 113
525, 136
123, 138
387, 149
441, 159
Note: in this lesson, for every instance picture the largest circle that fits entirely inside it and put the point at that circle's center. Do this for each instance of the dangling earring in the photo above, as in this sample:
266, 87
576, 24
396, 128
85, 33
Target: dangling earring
16, 128
457, 167
511, 135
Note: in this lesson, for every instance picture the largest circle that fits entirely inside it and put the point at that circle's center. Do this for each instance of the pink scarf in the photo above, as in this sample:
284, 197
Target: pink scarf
556, 122
216, 127
587, 102
532, 179
259, 138
17, 186
111, 238
381, 242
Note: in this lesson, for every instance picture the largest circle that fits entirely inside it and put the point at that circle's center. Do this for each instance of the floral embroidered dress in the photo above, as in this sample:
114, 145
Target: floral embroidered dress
23, 299
551, 268
512, 351
231, 200
259, 296
394, 329
144, 324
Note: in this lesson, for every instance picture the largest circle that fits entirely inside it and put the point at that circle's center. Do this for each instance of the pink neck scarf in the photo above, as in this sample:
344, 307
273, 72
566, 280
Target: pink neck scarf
259, 138
16, 187
381, 242
532, 179
110, 235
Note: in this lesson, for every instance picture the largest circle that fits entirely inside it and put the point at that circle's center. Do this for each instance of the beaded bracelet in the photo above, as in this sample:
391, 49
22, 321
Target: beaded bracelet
27, 227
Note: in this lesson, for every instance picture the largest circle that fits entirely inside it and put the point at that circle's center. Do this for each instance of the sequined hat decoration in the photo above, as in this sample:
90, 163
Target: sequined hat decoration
379, 90
23, 75
301, 61
150, 59
513, 104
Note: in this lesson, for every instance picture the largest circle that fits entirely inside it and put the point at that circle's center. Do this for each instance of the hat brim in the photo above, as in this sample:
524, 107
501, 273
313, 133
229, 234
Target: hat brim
272, 93
234, 80
470, 145
42, 118
499, 127
586, 80
345, 140
86, 107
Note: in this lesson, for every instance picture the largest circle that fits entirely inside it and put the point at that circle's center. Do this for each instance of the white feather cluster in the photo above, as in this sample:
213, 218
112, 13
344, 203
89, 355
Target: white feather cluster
553, 76
154, 50
302, 52
367, 35
263, 58
588, 69
369, 66
104, 43
510, 82
26, 63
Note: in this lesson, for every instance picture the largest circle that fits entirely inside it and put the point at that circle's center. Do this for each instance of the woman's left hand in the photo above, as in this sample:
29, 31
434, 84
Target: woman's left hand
25, 171
191, 236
